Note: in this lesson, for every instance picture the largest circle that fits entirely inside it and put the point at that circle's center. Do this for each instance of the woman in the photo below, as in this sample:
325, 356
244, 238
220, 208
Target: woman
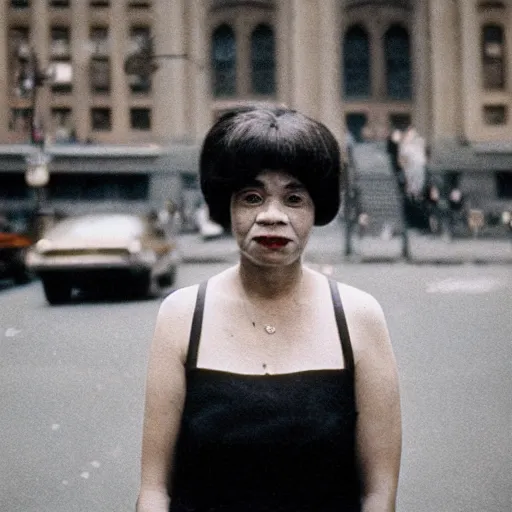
264, 393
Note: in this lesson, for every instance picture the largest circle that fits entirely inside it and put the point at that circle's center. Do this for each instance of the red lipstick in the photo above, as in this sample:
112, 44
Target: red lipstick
272, 242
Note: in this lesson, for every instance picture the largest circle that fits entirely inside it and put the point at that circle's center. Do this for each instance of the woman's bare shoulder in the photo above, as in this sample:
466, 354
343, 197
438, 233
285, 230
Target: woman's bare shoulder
174, 321
356, 299
365, 319
180, 302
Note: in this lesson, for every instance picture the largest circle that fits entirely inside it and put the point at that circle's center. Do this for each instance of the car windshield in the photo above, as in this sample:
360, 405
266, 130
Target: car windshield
114, 226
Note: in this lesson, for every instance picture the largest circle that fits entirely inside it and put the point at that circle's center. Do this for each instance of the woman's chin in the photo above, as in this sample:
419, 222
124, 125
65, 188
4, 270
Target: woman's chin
270, 259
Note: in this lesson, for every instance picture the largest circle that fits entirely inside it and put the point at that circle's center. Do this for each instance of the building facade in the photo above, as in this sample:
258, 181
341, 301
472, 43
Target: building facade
363, 66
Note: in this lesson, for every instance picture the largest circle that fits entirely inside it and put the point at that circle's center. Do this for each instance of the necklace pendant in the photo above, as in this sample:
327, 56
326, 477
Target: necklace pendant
270, 329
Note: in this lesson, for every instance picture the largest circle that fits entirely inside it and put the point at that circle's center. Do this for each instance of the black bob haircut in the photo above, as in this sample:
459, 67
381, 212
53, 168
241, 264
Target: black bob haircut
245, 141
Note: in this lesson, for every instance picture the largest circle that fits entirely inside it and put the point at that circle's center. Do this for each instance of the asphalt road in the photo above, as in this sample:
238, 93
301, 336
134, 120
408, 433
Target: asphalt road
72, 383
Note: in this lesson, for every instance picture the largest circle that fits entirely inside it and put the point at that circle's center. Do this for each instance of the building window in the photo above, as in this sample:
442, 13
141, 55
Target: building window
495, 114
263, 63
101, 119
224, 61
140, 41
20, 119
140, 118
59, 4
493, 57
99, 3
20, 4
96, 186
140, 37
18, 55
356, 63
139, 4
100, 75
60, 54
487, 6
60, 42
99, 41
398, 64
62, 126
504, 184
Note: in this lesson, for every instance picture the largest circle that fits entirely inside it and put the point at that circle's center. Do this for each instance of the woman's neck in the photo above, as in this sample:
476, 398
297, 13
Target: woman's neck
270, 283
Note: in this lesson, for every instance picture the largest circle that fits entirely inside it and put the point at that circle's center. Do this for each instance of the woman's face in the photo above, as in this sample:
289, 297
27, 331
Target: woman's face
272, 218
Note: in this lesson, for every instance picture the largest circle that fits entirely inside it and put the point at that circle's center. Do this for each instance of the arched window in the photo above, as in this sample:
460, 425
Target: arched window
356, 63
493, 52
224, 61
398, 63
263, 62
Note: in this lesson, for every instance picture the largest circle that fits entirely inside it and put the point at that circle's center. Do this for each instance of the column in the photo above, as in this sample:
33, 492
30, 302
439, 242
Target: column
170, 84
305, 73
243, 58
80, 58
283, 34
5, 79
445, 80
470, 55
330, 65
377, 63
119, 96
198, 66
508, 56
421, 68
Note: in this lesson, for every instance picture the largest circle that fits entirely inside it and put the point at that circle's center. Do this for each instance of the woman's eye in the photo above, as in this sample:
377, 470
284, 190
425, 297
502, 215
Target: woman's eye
251, 198
295, 199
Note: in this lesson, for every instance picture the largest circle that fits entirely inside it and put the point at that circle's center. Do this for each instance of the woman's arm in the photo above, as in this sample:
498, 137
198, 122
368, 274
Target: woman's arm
165, 394
378, 431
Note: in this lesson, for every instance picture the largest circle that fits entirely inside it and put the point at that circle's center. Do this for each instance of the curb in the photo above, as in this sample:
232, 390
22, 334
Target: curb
327, 248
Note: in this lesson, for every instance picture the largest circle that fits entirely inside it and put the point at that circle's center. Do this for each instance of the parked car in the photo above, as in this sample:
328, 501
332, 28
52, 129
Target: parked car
13, 249
122, 251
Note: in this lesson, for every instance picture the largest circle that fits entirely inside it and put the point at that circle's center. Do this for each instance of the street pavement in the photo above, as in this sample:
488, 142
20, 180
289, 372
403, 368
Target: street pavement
72, 382
327, 247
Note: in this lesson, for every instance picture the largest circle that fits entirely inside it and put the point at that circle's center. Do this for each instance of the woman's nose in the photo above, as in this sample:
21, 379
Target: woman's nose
272, 214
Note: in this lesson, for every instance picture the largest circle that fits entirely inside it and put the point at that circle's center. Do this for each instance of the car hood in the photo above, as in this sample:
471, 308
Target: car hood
95, 232
88, 243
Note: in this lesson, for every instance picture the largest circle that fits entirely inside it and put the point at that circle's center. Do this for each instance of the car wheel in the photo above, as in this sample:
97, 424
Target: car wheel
167, 279
141, 286
56, 292
22, 276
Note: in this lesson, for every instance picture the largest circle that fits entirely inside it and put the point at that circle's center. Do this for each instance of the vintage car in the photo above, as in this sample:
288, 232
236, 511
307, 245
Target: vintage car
13, 248
117, 252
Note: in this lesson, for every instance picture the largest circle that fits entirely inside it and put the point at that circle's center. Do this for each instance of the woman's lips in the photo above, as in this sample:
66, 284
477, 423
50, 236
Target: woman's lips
272, 242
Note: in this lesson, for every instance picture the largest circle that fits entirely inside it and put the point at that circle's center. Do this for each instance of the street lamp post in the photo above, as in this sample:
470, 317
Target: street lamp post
31, 78
37, 175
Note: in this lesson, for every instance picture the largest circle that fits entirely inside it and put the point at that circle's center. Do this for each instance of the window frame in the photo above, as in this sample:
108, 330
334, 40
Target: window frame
493, 79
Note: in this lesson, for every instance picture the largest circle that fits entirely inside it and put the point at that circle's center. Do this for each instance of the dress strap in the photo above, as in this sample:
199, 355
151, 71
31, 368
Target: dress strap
195, 330
341, 321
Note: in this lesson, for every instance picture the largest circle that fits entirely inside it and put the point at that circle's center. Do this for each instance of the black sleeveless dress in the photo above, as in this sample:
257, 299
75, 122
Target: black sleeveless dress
267, 443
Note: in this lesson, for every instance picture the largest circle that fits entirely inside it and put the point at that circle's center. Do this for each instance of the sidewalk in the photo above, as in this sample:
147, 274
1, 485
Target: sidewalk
327, 246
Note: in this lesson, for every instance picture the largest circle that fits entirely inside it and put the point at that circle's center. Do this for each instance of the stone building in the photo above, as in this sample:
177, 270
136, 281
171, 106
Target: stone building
114, 130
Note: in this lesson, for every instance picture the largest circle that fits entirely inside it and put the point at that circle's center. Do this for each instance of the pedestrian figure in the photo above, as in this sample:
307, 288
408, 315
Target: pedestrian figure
393, 143
392, 147
413, 160
270, 387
